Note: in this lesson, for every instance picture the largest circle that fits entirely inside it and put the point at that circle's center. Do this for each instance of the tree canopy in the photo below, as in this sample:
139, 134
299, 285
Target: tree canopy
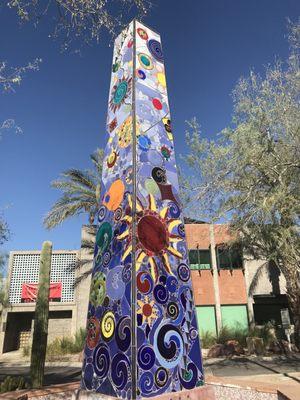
80, 20
250, 174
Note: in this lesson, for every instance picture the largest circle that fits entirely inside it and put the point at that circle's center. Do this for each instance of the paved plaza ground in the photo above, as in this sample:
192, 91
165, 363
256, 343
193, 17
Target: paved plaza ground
280, 370
263, 372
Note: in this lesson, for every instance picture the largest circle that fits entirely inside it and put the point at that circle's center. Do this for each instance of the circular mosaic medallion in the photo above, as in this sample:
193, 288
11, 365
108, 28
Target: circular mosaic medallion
155, 49
112, 159
145, 61
101, 213
101, 361
161, 377
157, 104
142, 33
120, 92
104, 236
114, 196
159, 175
108, 325
165, 151
98, 289
93, 332
140, 74
144, 142
183, 272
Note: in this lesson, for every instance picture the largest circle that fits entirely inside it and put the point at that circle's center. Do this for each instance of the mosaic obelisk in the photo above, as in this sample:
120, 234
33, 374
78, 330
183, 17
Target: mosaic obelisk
142, 338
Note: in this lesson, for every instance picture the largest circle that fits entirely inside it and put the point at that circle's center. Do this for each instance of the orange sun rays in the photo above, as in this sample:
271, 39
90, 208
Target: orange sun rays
155, 240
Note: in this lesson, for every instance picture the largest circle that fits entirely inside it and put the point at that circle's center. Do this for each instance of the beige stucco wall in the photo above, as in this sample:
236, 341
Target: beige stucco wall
274, 283
83, 288
266, 284
59, 327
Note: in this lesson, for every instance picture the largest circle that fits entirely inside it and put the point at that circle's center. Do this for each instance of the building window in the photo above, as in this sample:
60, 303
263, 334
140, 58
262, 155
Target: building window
199, 259
206, 316
235, 317
229, 257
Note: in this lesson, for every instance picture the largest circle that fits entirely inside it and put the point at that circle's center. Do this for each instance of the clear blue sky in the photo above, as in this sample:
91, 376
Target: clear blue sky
208, 45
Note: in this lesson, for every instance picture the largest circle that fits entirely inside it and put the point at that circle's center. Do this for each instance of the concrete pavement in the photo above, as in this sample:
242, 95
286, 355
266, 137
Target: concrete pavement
264, 373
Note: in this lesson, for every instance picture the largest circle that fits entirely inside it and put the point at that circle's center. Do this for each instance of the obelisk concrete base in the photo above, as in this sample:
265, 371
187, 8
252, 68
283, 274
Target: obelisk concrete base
200, 393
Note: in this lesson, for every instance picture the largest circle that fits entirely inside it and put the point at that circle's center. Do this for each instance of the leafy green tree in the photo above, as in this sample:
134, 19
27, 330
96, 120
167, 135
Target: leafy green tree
40, 331
250, 174
81, 193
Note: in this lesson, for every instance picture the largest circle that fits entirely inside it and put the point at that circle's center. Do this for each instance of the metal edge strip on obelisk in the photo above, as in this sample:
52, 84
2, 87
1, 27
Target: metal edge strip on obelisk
133, 258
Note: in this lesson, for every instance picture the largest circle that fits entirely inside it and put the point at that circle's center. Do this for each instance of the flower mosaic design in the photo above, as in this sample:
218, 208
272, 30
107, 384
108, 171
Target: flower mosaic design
120, 92
154, 234
147, 310
124, 133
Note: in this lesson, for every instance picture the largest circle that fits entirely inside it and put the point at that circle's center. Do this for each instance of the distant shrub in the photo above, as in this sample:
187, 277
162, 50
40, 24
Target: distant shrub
208, 339
62, 346
238, 333
54, 348
266, 332
67, 345
79, 340
26, 350
12, 383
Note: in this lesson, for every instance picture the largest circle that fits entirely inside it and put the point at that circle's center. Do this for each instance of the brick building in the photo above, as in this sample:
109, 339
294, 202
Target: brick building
220, 287
221, 280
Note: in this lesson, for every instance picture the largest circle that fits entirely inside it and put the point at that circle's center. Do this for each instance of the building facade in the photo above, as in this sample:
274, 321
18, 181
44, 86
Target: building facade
226, 291
17, 319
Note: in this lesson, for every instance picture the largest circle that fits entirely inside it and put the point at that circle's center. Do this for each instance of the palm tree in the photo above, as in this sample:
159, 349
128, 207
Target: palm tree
81, 193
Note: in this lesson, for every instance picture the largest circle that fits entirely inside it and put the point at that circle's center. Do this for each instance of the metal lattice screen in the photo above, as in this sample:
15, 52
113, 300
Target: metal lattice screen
25, 269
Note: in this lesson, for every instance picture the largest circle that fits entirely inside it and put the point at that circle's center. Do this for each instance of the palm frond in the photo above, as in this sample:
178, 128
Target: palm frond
84, 178
71, 187
97, 159
83, 276
65, 208
80, 193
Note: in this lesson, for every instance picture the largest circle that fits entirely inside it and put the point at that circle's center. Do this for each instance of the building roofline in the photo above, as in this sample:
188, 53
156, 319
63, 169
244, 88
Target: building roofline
13, 252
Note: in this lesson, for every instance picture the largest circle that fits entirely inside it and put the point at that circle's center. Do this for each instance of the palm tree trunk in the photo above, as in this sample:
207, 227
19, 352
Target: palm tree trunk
40, 333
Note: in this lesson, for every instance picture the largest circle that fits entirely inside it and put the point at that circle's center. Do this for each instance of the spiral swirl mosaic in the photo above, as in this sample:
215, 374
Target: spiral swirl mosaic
155, 49
168, 357
108, 325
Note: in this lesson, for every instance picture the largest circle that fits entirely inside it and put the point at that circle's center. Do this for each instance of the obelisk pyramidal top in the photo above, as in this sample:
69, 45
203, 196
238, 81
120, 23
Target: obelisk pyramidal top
142, 334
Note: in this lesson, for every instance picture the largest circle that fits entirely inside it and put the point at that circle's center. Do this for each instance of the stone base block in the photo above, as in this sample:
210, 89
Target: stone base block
201, 393
215, 389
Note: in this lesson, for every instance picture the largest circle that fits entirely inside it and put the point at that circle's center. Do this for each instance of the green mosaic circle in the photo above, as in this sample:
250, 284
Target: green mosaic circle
120, 92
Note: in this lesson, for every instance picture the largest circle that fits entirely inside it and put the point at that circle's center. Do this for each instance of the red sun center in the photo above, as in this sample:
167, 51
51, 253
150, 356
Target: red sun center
147, 310
152, 234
